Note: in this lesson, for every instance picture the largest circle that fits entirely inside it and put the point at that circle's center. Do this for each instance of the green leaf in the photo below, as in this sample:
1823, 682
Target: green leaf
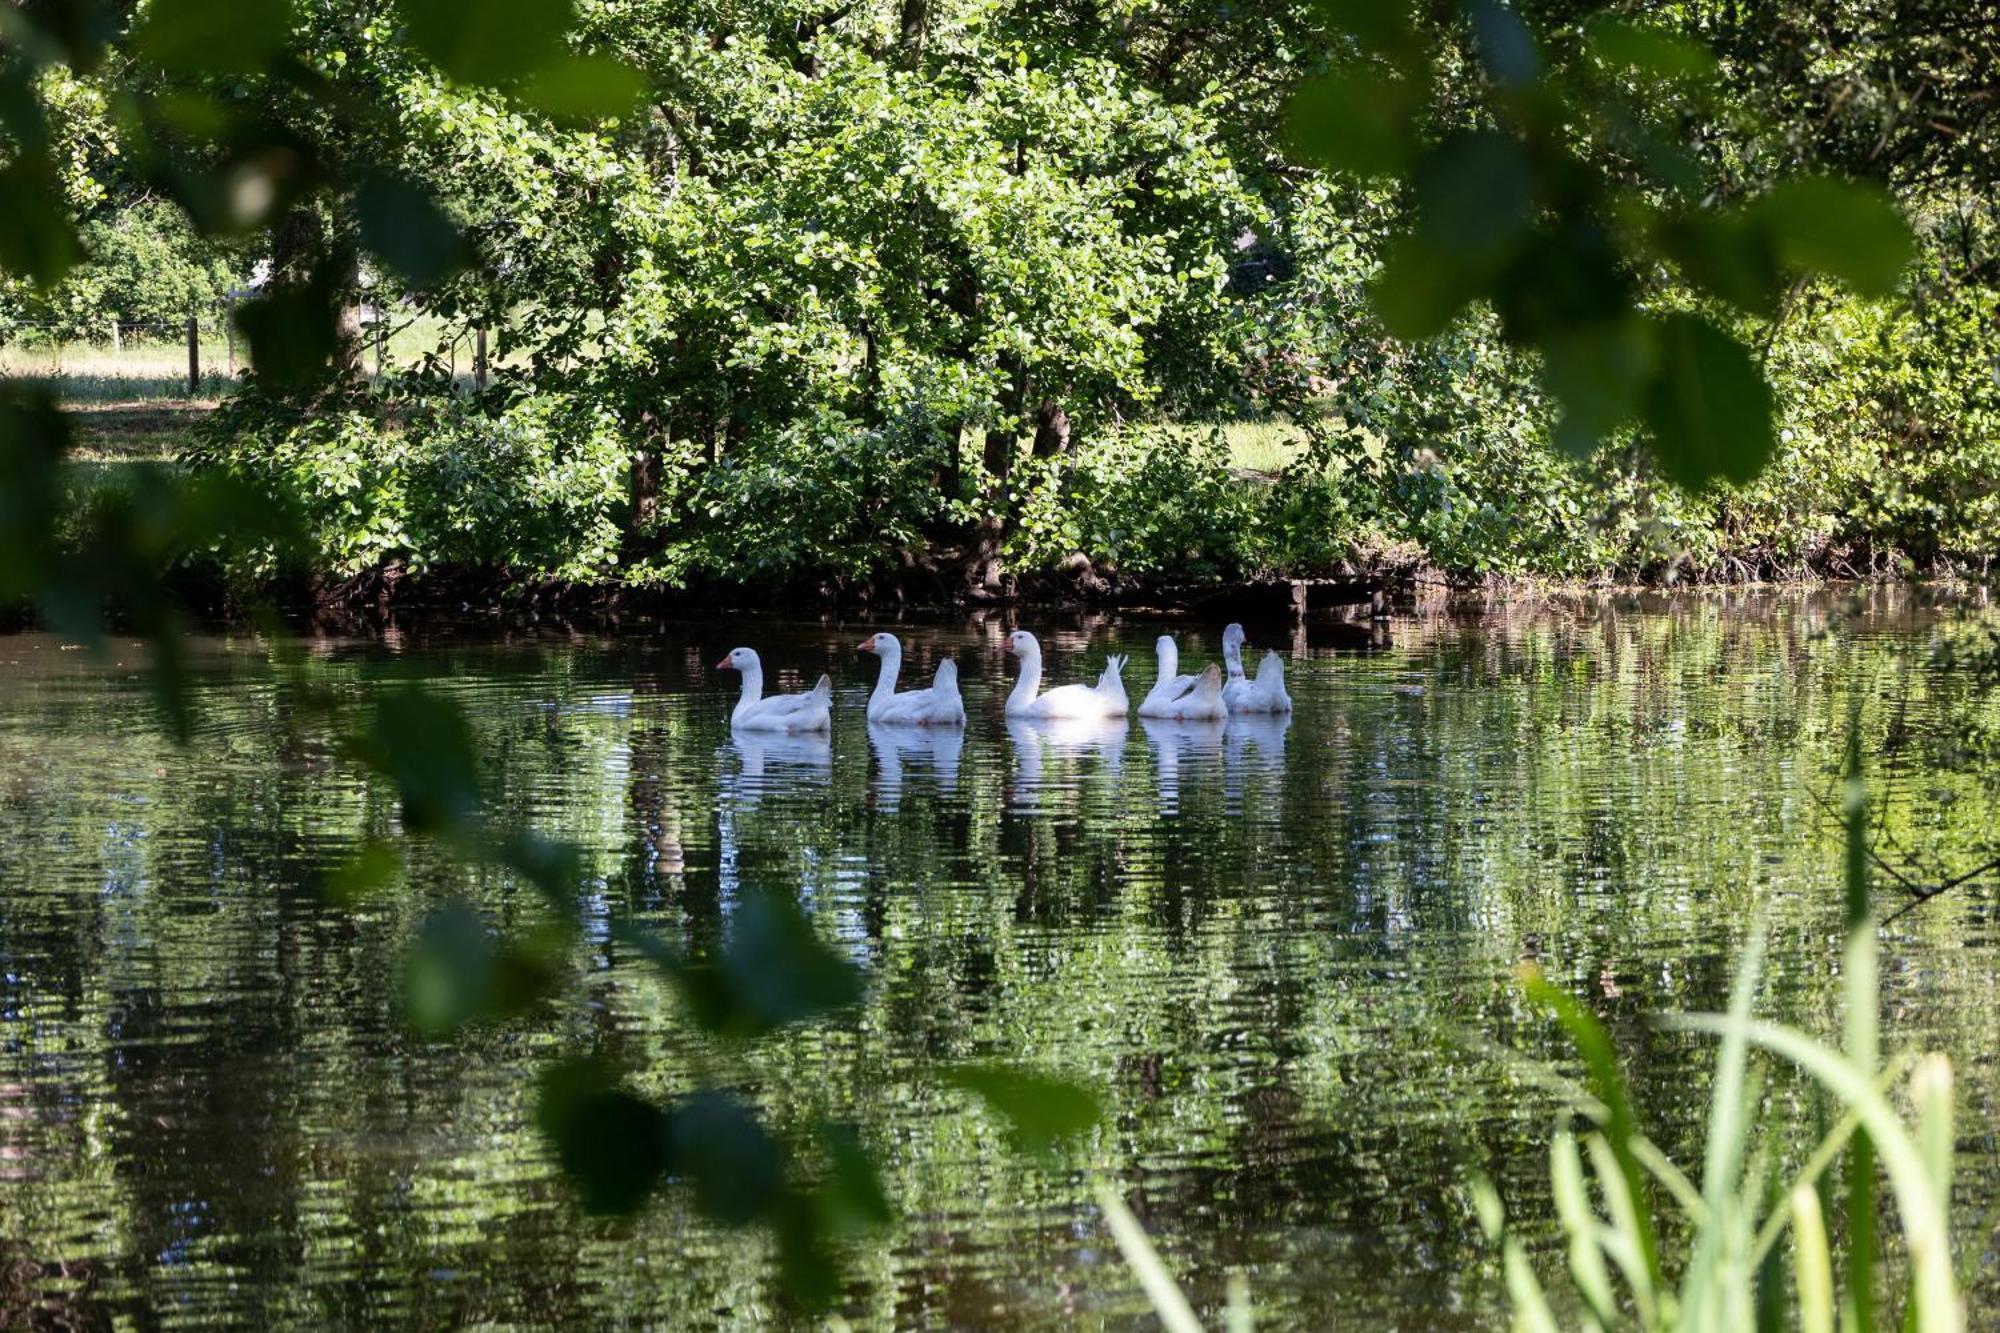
1647, 49
584, 89
1418, 291
1381, 27
422, 743
1041, 1111
373, 865
1846, 229
737, 1168
406, 229
1709, 408
1354, 120
1597, 373
1727, 255
214, 36
452, 973
36, 240
779, 971
487, 41
293, 332
852, 1197
611, 1142
1473, 194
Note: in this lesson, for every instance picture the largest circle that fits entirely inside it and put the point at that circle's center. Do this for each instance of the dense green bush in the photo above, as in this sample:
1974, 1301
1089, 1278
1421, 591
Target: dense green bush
533, 488
145, 266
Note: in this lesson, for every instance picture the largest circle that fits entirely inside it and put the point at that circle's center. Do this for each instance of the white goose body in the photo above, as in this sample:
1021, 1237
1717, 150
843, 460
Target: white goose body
1182, 697
1104, 699
938, 706
810, 711
1266, 693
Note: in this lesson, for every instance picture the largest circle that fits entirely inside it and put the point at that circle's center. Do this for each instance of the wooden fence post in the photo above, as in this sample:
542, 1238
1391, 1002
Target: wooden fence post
229, 327
479, 358
117, 336
194, 356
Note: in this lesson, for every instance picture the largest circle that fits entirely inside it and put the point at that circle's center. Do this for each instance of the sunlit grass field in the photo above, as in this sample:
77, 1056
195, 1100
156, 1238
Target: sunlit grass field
134, 402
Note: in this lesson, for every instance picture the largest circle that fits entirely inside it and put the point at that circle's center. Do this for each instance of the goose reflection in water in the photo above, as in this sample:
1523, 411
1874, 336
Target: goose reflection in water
1036, 739
1253, 746
898, 746
1198, 743
775, 761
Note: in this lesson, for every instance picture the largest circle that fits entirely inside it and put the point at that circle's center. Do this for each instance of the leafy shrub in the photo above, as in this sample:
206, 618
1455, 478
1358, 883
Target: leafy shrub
820, 495
536, 488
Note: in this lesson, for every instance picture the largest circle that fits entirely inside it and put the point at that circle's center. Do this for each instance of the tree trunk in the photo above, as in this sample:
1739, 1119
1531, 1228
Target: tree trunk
1051, 430
194, 356
1001, 444
915, 20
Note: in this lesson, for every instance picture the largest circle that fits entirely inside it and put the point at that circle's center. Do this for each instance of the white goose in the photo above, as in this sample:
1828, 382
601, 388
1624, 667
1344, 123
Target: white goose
780, 712
1104, 699
1265, 694
938, 706
1183, 698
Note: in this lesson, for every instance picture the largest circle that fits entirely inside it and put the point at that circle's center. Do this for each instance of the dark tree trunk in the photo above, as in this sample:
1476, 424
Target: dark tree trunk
1051, 430
916, 19
1001, 444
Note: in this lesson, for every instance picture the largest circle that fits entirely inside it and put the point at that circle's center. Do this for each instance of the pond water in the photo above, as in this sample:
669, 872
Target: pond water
1285, 954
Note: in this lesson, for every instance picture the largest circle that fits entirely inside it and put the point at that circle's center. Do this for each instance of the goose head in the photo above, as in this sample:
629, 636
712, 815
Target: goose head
1024, 646
879, 643
1232, 636
737, 659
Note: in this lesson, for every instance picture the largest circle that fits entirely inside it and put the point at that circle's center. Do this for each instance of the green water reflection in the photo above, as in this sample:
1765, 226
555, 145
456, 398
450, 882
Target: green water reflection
1282, 950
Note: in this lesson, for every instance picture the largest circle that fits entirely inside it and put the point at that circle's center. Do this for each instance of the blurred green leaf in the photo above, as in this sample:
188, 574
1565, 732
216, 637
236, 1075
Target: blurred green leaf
36, 239
1847, 229
422, 743
1474, 192
584, 88
293, 334
1418, 290
852, 1197
487, 41
403, 227
1041, 1111
553, 867
1506, 47
1709, 408
214, 36
1354, 120
737, 1168
611, 1142
452, 974
34, 439
372, 866
1646, 49
1726, 255
778, 968
1381, 27
1597, 373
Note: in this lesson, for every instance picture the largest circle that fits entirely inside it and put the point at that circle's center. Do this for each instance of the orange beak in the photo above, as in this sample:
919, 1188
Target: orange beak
723, 665
867, 645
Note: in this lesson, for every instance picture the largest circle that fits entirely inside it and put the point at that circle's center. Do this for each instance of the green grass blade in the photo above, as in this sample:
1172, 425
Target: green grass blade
1823, 1157
1812, 1262
1862, 1040
1621, 1126
1236, 1316
1579, 1221
1926, 1228
1169, 1303
1622, 1243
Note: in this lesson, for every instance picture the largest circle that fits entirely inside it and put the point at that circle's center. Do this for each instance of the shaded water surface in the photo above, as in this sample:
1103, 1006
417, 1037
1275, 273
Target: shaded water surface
1284, 952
